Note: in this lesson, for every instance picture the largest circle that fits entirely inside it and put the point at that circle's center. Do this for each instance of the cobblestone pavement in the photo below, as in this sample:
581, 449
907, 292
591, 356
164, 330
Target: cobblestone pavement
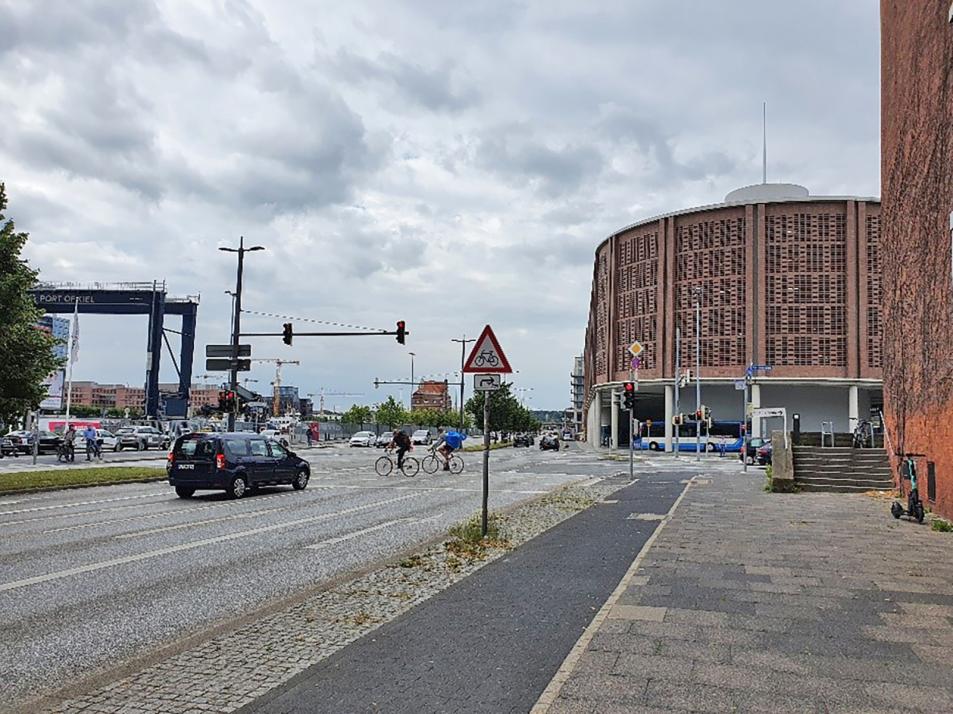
749, 601
234, 668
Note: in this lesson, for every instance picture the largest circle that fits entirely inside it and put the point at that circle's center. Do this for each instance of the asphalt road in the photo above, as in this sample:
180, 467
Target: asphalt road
93, 576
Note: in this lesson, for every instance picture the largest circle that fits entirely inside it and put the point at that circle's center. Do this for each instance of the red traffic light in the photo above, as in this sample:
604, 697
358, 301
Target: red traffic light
629, 386
401, 331
287, 333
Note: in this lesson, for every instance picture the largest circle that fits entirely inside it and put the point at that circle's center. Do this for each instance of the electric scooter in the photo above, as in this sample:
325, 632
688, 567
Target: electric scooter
914, 509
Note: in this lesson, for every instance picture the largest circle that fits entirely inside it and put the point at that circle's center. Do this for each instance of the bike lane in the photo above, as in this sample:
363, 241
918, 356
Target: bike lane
495, 640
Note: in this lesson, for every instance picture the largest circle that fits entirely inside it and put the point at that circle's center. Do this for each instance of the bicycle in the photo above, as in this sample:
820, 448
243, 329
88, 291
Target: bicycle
385, 464
486, 359
863, 435
432, 463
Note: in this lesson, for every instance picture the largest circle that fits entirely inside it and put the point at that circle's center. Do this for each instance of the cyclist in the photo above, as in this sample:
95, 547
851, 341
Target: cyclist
401, 442
69, 447
92, 446
447, 443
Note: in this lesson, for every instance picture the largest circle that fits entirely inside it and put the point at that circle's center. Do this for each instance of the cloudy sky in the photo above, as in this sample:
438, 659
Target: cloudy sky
451, 164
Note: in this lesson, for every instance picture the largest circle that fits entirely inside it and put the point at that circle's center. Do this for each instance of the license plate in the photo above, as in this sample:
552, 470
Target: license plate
183, 467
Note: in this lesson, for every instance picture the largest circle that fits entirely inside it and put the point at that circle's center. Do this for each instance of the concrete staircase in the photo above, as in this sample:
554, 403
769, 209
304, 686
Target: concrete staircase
841, 469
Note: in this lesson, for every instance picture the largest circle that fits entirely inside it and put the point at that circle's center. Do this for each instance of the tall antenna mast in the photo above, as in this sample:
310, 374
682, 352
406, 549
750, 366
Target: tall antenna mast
764, 148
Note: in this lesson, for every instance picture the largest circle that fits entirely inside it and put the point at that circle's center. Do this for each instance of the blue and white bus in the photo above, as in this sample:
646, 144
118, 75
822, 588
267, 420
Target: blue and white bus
723, 436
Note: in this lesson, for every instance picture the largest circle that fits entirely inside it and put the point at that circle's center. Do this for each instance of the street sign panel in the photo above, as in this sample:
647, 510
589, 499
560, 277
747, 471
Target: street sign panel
222, 364
487, 382
636, 348
257, 405
226, 350
635, 363
487, 356
740, 385
768, 412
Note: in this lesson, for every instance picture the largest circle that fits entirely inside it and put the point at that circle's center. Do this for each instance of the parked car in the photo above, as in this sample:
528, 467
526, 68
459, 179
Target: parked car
8, 447
522, 440
235, 463
383, 441
754, 443
107, 441
549, 442
48, 442
363, 438
276, 435
421, 436
142, 438
764, 454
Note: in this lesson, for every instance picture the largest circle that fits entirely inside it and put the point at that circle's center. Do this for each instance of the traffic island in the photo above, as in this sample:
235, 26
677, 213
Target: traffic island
54, 479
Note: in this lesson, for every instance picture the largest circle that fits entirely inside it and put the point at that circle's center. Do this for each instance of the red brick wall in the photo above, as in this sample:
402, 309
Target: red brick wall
917, 178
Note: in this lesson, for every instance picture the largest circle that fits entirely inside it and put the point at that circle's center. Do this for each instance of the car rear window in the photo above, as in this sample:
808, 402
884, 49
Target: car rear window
195, 449
235, 448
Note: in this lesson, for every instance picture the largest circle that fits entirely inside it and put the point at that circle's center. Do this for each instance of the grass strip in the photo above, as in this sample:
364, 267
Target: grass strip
67, 478
493, 446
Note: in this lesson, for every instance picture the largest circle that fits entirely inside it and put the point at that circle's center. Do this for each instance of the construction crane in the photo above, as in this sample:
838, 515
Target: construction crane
276, 398
324, 394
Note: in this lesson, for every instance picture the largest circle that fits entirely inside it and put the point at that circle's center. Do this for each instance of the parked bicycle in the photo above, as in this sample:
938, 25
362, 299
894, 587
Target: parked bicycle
863, 435
432, 462
386, 464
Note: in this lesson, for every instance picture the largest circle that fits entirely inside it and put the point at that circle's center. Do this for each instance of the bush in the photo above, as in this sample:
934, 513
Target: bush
941, 525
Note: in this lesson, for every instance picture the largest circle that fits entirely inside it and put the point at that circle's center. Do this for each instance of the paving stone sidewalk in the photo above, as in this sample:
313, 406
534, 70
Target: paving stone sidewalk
750, 601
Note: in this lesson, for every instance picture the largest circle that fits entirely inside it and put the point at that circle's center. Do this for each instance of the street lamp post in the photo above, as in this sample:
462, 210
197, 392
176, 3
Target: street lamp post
463, 358
412, 355
236, 317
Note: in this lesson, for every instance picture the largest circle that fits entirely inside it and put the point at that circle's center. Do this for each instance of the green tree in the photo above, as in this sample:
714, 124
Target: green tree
391, 413
358, 415
26, 353
506, 414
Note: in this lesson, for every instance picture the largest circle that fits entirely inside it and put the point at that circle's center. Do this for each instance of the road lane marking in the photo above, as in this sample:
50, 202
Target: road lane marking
432, 488
190, 524
371, 529
60, 574
35, 509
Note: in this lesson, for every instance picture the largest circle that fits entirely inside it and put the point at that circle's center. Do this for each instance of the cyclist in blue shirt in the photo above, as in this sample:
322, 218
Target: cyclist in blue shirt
449, 442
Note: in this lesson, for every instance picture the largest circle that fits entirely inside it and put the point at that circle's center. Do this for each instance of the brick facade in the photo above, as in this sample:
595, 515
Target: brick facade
917, 178
792, 283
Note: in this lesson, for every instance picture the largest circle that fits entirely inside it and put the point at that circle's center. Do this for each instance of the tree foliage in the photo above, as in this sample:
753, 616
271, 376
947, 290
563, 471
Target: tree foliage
390, 413
358, 415
506, 413
26, 353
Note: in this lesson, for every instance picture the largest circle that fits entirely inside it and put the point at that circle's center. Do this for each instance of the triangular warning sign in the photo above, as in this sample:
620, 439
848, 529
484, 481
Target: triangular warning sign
487, 356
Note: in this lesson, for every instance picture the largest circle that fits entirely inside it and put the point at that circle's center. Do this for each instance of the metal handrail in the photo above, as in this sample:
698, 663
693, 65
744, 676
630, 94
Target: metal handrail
883, 423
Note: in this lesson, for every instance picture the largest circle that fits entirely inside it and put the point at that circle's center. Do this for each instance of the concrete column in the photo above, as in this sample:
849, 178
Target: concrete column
594, 419
755, 404
614, 416
853, 410
669, 413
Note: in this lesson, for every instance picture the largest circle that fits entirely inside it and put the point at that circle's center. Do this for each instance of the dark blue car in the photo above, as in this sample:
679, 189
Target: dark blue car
234, 463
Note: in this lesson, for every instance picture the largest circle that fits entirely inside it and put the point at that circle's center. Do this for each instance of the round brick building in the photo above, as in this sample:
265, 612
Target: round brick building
783, 278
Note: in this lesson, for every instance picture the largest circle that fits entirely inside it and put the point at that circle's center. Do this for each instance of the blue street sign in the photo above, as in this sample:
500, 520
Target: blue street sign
760, 367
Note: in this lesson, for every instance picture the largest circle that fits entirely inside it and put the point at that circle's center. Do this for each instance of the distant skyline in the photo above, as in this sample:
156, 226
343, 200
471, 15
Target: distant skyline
450, 165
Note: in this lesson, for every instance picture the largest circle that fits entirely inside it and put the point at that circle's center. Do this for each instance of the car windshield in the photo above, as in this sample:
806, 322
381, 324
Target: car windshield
126, 430
363, 434
421, 432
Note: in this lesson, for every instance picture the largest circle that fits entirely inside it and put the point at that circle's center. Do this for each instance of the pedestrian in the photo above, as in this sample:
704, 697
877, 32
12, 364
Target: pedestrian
309, 435
69, 445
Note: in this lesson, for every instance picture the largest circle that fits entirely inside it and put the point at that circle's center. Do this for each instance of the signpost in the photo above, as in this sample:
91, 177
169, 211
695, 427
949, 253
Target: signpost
226, 350
488, 363
225, 364
750, 373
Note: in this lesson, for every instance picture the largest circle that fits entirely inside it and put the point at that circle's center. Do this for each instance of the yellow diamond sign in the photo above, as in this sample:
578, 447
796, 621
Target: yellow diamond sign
636, 348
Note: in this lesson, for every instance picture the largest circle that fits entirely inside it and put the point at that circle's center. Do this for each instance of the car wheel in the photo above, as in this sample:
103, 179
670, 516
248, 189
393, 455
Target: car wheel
184, 491
301, 480
238, 487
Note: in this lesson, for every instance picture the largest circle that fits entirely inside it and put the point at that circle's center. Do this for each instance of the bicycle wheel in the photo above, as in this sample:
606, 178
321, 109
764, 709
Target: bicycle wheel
456, 464
430, 464
383, 466
411, 466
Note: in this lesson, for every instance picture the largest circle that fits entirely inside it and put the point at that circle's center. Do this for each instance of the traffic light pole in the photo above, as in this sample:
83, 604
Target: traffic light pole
698, 376
633, 377
678, 381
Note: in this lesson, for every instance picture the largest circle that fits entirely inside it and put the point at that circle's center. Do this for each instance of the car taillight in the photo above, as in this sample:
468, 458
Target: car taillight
220, 461
170, 458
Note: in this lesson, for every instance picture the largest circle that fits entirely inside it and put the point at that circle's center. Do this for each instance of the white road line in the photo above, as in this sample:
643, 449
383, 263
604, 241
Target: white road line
35, 509
58, 575
430, 488
190, 524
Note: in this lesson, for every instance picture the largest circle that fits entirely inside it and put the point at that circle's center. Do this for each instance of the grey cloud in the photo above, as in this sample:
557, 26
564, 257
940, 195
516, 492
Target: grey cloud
521, 157
430, 88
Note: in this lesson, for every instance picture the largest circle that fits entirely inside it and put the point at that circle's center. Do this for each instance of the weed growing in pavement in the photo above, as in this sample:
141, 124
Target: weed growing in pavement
466, 541
361, 618
411, 561
941, 525
565, 500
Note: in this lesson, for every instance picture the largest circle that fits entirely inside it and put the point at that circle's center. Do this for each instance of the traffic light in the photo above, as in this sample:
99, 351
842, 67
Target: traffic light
287, 333
226, 400
401, 332
677, 420
628, 395
699, 414
706, 412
